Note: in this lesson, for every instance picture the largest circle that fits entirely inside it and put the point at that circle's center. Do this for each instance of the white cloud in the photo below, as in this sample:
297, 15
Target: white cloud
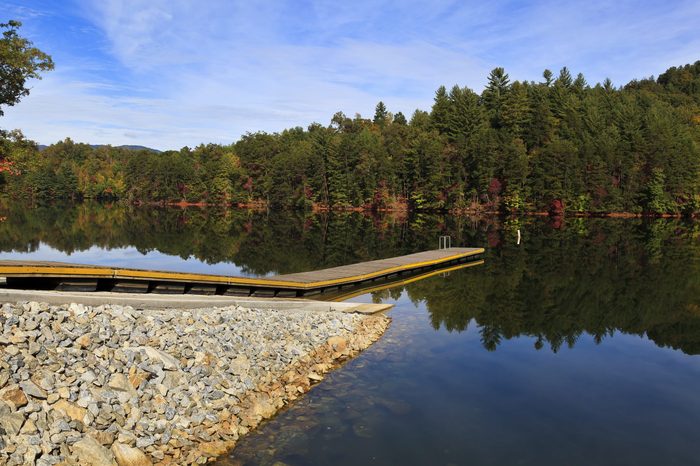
174, 73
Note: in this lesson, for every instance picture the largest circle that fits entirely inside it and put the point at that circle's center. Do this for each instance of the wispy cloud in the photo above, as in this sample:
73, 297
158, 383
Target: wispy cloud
172, 73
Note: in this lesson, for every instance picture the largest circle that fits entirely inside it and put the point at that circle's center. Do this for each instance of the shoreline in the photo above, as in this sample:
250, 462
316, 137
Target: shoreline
112, 384
400, 210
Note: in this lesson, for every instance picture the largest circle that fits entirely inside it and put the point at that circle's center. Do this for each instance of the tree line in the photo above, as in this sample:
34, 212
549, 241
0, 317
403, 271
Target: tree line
555, 145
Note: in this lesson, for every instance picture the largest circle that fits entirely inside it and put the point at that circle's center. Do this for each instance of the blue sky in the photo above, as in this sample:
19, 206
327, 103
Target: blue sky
169, 73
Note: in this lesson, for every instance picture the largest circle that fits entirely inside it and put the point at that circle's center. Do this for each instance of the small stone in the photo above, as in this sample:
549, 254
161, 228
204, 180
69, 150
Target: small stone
120, 382
104, 437
31, 389
71, 410
6, 407
362, 430
84, 401
34, 348
90, 452
143, 442
128, 456
29, 428
48, 460
12, 350
58, 438
63, 392
88, 377
77, 309
126, 438
158, 356
43, 380
61, 425
84, 341
31, 453
214, 449
240, 365
52, 398
15, 395
4, 377
136, 376
12, 422
338, 343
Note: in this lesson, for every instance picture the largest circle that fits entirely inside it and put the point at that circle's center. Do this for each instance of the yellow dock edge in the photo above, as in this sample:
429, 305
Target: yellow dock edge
128, 274
374, 289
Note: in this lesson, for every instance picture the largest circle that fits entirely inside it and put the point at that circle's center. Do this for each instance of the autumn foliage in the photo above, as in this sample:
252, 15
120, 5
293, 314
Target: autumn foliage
7, 166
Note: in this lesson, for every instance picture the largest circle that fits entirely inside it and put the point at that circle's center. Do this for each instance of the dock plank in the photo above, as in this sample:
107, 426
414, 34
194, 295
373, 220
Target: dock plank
344, 275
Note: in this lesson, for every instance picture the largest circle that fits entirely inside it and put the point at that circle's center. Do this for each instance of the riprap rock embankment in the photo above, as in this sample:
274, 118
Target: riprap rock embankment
113, 385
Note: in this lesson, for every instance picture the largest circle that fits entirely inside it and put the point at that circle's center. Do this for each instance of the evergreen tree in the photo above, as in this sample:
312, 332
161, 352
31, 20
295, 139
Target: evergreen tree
495, 95
440, 113
380, 114
548, 77
400, 119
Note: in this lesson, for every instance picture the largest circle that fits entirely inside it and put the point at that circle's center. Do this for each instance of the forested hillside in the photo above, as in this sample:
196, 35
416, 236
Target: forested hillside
559, 144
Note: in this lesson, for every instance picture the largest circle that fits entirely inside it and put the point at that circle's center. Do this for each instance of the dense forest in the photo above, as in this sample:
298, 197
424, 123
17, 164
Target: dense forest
556, 145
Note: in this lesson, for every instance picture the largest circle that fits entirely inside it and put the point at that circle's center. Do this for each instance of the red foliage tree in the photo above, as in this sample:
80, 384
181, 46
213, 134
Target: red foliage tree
556, 208
495, 187
8, 167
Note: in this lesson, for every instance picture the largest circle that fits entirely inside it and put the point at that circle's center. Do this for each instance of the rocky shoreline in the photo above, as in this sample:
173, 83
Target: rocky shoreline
113, 385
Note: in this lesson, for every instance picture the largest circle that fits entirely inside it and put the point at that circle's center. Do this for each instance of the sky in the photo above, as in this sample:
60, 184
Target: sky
173, 73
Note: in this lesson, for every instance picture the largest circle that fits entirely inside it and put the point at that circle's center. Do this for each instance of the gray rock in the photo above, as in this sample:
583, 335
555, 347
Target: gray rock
11, 422
30, 388
160, 357
143, 442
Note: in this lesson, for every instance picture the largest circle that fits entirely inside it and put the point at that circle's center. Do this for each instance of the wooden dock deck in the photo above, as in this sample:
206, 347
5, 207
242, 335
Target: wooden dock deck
78, 277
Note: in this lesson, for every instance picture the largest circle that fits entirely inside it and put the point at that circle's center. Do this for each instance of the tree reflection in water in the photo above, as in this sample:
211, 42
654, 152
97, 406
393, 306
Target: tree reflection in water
567, 277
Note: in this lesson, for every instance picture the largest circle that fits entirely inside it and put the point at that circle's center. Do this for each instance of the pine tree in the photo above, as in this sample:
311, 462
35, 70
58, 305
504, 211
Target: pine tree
516, 110
548, 77
564, 78
495, 95
580, 84
380, 114
440, 112
400, 119
608, 85
465, 116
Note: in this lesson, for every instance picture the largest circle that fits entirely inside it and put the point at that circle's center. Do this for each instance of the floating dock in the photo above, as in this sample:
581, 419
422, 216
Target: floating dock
84, 278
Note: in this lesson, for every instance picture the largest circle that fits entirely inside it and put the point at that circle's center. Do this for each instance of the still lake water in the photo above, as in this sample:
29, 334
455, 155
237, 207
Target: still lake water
581, 345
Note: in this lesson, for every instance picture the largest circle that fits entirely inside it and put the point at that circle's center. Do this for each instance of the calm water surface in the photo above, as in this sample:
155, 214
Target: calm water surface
579, 346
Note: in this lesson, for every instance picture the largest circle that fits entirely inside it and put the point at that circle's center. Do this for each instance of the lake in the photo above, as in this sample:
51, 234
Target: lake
580, 345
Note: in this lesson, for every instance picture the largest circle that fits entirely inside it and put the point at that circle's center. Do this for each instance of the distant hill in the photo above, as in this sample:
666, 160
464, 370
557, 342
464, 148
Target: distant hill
128, 147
